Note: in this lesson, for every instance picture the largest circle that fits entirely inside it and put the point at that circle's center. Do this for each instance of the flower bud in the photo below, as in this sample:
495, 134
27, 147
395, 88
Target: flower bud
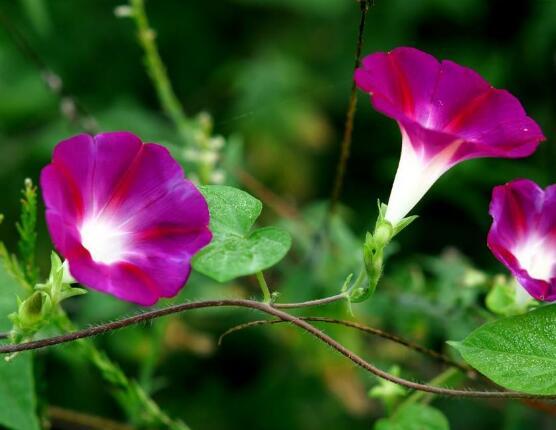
383, 234
32, 311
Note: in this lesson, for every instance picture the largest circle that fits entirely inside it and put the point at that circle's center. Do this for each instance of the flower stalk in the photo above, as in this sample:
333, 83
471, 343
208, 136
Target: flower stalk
373, 252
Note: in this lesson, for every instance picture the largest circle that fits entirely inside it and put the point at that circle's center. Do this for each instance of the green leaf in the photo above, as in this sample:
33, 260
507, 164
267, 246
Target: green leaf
414, 417
232, 211
228, 257
518, 353
234, 250
17, 390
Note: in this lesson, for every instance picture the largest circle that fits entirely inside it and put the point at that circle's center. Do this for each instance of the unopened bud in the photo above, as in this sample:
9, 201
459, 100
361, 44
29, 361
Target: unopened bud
383, 234
33, 309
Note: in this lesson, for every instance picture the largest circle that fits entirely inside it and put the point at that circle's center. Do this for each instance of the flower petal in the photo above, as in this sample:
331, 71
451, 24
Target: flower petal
123, 215
447, 113
522, 235
425, 95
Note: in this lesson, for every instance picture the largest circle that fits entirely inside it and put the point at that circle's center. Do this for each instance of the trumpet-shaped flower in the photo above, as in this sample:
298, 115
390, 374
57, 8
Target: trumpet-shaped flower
447, 113
123, 215
523, 235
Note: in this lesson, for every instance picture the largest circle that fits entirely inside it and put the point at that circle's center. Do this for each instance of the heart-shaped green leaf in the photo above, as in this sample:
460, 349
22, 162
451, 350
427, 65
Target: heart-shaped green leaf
232, 211
518, 353
234, 250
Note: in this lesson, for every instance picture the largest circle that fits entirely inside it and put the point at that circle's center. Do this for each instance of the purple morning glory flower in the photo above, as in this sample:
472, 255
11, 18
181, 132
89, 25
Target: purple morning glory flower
123, 215
523, 235
447, 113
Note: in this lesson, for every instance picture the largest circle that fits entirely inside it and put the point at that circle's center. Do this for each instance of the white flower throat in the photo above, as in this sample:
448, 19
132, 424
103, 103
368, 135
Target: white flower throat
537, 257
104, 241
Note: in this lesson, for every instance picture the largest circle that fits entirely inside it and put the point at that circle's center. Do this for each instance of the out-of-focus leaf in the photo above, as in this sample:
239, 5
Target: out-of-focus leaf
414, 417
17, 387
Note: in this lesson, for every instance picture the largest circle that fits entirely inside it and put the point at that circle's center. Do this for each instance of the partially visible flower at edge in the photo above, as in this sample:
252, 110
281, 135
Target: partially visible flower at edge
123, 215
523, 235
447, 113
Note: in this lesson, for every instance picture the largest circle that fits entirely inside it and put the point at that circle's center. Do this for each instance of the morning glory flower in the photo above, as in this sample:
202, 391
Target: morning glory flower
447, 113
523, 235
123, 215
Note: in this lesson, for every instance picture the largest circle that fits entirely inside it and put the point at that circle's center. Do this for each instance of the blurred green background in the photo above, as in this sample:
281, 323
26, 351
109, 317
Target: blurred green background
277, 75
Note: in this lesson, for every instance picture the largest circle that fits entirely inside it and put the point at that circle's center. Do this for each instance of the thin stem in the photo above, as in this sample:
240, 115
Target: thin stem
363, 328
157, 70
269, 197
267, 297
192, 132
345, 146
250, 304
451, 376
311, 303
65, 417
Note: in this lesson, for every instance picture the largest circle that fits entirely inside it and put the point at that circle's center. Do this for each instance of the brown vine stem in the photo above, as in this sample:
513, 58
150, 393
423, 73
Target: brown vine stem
312, 303
363, 328
250, 304
345, 146
65, 418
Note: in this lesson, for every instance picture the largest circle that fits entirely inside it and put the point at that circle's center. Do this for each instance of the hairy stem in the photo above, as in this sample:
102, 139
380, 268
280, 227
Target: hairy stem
250, 304
363, 328
450, 377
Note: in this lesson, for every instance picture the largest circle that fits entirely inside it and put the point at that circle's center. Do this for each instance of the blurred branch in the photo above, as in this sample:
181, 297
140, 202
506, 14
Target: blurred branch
71, 420
157, 71
363, 328
69, 106
268, 309
345, 146
271, 199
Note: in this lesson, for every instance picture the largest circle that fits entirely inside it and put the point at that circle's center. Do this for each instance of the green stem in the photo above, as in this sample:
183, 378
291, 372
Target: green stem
267, 297
194, 133
157, 70
141, 409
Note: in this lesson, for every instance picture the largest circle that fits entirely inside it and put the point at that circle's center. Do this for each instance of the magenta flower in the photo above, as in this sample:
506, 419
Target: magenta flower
123, 215
447, 114
523, 235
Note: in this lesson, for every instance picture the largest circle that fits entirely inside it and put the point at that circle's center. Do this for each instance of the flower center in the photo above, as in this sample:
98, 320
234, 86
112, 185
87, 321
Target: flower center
537, 257
104, 241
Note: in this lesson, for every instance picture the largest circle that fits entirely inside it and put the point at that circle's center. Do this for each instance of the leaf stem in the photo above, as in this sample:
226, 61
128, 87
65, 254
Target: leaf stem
267, 297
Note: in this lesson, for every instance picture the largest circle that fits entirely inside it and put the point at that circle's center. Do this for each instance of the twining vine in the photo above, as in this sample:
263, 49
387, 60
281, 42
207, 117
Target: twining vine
75, 113
276, 312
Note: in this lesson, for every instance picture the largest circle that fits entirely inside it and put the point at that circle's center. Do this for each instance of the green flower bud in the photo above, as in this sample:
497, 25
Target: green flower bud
32, 311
